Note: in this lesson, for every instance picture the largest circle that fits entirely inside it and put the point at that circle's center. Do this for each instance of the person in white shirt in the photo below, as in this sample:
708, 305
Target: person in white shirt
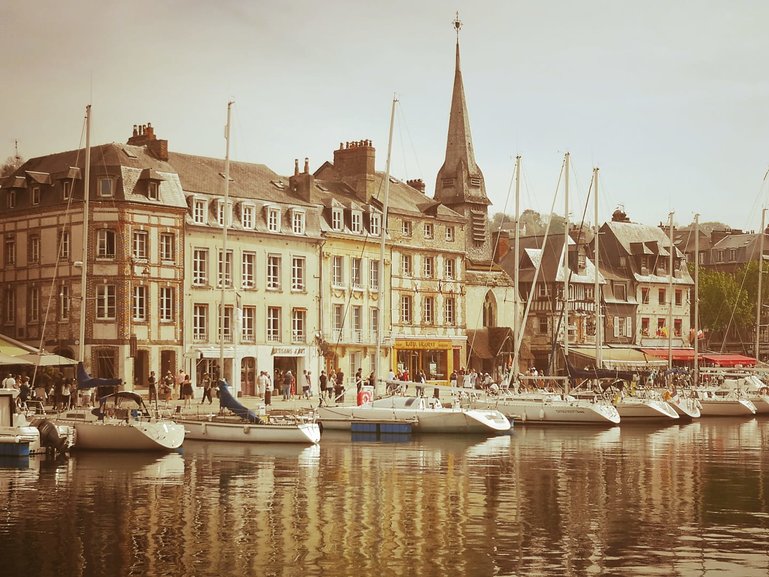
9, 382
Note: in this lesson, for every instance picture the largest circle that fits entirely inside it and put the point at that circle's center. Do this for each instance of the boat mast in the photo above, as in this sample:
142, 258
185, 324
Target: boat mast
84, 258
596, 285
567, 157
383, 234
223, 261
670, 295
517, 253
760, 274
696, 298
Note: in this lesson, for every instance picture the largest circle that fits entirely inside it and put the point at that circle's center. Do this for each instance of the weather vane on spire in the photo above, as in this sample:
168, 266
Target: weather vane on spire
457, 25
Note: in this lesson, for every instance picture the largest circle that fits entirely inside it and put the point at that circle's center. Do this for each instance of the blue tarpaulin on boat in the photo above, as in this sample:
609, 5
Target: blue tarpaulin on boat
227, 401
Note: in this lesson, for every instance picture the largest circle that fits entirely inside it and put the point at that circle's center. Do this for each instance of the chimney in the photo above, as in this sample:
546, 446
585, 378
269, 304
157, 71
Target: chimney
354, 164
144, 135
503, 244
302, 184
417, 183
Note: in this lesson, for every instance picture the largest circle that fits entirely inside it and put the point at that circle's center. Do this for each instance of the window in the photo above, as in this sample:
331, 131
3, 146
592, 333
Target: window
356, 273
589, 293
152, 190
357, 221
140, 242
248, 324
338, 322
105, 243
619, 326
166, 296
36, 195
66, 189
619, 291
357, 324
105, 186
337, 271
220, 212
733, 254
428, 310
33, 305
374, 323
449, 311
106, 301
139, 305
406, 309
297, 222
199, 211
10, 305
199, 266
645, 295
337, 219
297, 273
298, 324
375, 224
542, 325
225, 330
248, 270
428, 266
247, 216
167, 242
449, 269
541, 291
677, 325
449, 234
34, 249
224, 269
10, 251
662, 331
64, 302
200, 322
273, 272
428, 228
645, 326
406, 264
65, 247
373, 275
406, 229
679, 297
273, 219
11, 199
273, 324
662, 295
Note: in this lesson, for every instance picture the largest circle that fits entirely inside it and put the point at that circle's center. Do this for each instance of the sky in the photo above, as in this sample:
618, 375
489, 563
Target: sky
670, 100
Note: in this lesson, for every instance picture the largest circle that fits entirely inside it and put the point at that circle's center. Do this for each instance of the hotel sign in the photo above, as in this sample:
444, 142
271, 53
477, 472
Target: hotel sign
422, 344
287, 351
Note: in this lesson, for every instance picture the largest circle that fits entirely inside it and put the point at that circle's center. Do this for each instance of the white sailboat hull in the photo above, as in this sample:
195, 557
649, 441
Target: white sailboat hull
119, 435
241, 432
553, 411
636, 409
686, 407
727, 407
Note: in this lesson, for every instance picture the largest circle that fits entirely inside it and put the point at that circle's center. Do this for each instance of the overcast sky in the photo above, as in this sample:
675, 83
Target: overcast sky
670, 99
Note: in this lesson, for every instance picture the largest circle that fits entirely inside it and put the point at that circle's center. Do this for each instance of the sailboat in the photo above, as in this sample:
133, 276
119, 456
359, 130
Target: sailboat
122, 421
240, 424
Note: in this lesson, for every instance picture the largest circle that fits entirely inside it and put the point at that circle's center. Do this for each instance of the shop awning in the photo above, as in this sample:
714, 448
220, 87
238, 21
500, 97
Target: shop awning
47, 360
620, 357
8, 360
728, 360
478, 343
677, 354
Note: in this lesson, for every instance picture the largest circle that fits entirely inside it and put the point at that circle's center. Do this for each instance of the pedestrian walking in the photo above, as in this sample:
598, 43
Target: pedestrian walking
153, 387
307, 387
207, 386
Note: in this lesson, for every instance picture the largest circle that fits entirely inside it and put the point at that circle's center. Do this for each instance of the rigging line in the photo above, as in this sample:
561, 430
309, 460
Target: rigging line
401, 111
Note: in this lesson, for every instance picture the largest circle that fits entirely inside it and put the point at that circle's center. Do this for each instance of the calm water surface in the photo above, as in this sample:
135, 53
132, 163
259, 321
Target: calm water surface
688, 500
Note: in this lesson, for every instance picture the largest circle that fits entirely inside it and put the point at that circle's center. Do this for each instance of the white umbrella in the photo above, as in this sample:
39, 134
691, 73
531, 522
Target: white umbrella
6, 360
46, 359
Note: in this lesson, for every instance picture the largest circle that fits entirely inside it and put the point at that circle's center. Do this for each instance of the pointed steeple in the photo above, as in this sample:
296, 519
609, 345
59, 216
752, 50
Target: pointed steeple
460, 184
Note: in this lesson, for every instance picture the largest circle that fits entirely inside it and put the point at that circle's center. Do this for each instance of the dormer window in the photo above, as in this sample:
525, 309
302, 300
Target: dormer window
273, 219
105, 188
428, 229
375, 224
297, 221
357, 222
248, 216
199, 211
66, 189
337, 218
11, 200
450, 234
36, 195
220, 213
153, 189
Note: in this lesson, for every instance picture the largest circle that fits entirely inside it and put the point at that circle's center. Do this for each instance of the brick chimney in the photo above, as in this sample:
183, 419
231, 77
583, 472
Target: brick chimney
502, 245
144, 135
302, 183
354, 165
417, 183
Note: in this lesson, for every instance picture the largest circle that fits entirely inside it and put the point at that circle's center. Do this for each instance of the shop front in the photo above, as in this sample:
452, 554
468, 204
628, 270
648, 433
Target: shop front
436, 357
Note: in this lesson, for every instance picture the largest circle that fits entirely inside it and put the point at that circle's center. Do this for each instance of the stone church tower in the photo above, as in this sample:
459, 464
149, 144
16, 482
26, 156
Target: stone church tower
460, 185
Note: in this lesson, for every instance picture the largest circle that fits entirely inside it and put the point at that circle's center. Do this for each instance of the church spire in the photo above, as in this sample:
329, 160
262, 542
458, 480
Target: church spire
460, 184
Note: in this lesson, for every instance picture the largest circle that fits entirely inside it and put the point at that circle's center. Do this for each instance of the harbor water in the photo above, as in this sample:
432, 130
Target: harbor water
679, 500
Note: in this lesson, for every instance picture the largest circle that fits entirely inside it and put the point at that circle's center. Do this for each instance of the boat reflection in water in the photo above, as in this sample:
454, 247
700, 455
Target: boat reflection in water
682, 499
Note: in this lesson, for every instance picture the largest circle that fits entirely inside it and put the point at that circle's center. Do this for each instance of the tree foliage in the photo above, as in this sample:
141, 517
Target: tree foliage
728, 300
10, 165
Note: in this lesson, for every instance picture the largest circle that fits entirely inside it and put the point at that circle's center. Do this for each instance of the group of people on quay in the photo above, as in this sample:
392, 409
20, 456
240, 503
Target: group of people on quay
46, 389
178, 386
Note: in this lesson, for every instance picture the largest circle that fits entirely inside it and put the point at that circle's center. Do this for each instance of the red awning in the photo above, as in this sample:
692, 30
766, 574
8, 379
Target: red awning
727, 360
678, 354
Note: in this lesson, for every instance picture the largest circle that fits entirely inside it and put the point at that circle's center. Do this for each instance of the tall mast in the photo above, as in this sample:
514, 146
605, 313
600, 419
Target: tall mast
596, 285
383, 234
567, 157
225, 224
84, 258
517, 253
670, 292
696, 298
760, 274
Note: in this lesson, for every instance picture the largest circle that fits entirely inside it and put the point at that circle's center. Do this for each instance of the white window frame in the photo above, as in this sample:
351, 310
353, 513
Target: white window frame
375, 224
199, 266
200, 322
450, 234
337, 270
220, 212
449, 269
106, 302
273, 272
356, 272
166, 304
139, 304
428, 266
65, 302
450, 311
407, 268
373, 276
407, 228
106, 244
298, 221
34, 248
248, 270
224, 268
35, 195
167, 246
105, 187
66, 189
65, 246
337, 219
33, 306
406, 309
272, 325
373, 323
356, 221
428, 310
140, 245
10, 251
298, 325
248, 324
273, 219
298, 268
429, 230
357, 323
198, 211
248, 216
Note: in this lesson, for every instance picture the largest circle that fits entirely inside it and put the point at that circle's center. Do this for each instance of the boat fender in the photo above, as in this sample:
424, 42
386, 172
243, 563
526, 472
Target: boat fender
203, 427
246, 429
542, 414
